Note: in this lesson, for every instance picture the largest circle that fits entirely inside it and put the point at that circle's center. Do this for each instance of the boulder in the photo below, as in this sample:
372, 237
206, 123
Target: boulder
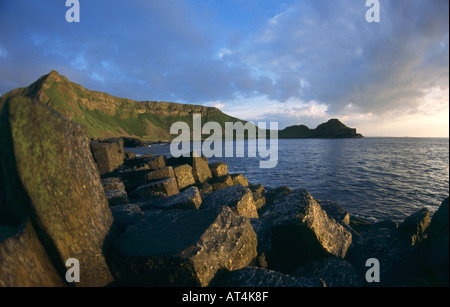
200, 169
183, 174
413, 227
182, 248
335, 211
200, 166
221, 182
133, 179
239, 179
274, 194
114, 186
117, 197
156, 163
162, 173
24, 261
129, 154
218, 169
261, 278
188, 199
333, 271
165, 187
438, 239
258, 195
125, 215
237, 197
138, 161
51, 176
204, 188
400, 263
360, 225
108, 156
302, 231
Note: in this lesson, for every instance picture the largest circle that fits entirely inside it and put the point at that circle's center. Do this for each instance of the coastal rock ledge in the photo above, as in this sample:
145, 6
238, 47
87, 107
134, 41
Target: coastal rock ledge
159, 221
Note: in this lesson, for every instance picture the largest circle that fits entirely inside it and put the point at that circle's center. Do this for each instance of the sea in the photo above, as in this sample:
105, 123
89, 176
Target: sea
373, 178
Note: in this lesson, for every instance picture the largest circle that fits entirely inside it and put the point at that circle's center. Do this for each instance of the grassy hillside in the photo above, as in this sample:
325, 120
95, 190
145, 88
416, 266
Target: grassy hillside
108, 116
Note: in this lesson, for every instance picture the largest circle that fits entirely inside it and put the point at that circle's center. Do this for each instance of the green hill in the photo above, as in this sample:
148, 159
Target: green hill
107, 116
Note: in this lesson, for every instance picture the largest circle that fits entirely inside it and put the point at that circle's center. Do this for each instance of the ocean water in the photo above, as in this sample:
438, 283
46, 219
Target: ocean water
373, 178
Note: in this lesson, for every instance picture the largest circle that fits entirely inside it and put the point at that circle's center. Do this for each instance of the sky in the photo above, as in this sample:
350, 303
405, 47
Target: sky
290, 61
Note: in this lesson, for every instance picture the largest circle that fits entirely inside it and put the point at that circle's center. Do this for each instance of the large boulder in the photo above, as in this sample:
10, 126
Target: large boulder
24, 261
438, 237
188, 199
49, 175
259, 195
259, 277
334, 271
182, 248
239, 179
199, 164
183, 174
237, 197
162, 173
200, 169
108, 155
400, 263
300, 230
335, 211
413, 227
218, 169
221, 182
165, 187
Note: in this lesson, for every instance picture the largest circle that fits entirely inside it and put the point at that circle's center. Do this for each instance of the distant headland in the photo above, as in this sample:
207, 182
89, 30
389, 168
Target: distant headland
140, 123
332, 129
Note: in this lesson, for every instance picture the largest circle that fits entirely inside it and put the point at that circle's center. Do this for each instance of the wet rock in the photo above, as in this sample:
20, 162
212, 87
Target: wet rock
237, 197
168, 249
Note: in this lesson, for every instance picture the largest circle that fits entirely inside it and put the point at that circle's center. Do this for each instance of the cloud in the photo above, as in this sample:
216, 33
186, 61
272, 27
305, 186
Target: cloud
373, 67
292, 53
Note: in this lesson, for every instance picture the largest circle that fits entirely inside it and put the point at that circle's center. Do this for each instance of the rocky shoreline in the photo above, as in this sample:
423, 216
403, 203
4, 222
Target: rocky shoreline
159, 221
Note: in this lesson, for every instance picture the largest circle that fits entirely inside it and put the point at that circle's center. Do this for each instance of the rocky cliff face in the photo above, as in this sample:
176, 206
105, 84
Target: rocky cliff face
107, 116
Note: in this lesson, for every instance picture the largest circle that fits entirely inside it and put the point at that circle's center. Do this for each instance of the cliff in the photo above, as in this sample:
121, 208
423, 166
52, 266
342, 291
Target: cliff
106, 116
332, 129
